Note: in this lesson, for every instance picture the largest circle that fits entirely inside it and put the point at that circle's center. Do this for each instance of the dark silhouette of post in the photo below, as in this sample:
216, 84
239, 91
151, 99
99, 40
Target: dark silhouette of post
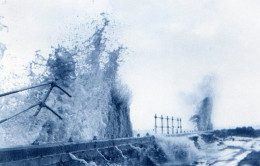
180, 126
155, 125
167, 125
177, 126
162, 123
172, 126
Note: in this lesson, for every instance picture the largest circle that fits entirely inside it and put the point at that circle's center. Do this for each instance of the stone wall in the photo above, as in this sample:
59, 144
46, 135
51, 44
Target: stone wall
125, 151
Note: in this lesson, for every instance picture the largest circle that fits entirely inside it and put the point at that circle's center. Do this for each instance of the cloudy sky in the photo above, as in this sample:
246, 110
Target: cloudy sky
172, 45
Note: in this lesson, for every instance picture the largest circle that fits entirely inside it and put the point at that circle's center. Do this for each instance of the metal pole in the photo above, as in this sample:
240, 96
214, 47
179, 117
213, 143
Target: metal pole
23, 89
41, 104
155, 125
54, 84
167, 125
43, 101
55, 113
180, 126
172, 126
177, 126
162, 123
19, 113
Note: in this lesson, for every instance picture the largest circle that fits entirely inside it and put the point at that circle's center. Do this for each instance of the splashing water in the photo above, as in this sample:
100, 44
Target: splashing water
179, 150
100, 103
2, 45
202, 118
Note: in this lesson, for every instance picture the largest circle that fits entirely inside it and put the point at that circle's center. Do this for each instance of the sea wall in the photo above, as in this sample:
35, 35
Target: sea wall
124, 151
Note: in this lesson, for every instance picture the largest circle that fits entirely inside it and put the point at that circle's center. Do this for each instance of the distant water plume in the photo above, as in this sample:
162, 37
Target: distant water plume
204, 104
88, 69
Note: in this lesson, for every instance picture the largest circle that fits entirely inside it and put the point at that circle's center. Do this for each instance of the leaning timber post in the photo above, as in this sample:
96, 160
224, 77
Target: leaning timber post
172, 126
155, 125
162, 123
177, 126
167, 125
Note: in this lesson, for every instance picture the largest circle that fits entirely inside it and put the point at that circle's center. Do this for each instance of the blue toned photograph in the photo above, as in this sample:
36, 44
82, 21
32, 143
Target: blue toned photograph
129, 83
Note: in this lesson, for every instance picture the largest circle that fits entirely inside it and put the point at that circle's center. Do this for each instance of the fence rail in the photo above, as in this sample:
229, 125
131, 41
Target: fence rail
178, 128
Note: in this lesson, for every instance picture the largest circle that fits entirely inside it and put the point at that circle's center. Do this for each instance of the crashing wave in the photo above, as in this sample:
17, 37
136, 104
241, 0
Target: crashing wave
100, 103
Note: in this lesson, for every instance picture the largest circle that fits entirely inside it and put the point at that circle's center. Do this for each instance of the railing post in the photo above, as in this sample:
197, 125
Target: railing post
162, 123
167, 125
155, 125
177, 126
172, 126
180, 126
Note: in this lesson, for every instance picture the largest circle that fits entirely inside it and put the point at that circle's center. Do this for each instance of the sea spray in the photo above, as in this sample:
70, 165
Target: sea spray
204, 104
2, 45
179, 150
100, 103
